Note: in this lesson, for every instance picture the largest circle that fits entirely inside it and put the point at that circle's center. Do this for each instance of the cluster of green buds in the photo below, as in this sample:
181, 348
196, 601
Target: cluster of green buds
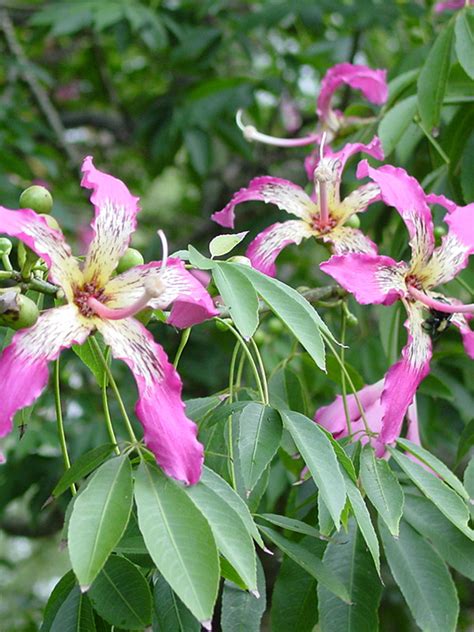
17, 310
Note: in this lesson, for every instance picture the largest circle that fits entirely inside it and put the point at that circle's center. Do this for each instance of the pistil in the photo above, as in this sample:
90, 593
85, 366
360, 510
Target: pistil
153, 288
251, 133
439, 305
322, 176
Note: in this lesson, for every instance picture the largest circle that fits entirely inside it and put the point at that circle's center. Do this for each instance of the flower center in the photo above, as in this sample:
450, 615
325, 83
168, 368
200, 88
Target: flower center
82, 296
321, 226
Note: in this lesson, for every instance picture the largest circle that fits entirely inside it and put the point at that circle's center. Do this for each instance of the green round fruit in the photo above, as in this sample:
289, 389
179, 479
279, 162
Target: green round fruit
275, 326
25, 315
351, 320
130, 259
5, 246
439, 231
259, 337
353, 221
37, 198
51, 221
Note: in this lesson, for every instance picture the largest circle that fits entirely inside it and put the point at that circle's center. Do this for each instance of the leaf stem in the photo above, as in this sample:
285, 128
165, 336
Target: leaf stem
261, 366
60, 423
182, 343
343, 377
115, 389
105, 405
230, 438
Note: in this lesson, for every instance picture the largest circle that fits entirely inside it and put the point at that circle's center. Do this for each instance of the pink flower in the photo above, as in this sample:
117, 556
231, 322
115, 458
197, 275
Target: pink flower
322, 216
333, 417
96, 300
450, 5
372, 84
379, 279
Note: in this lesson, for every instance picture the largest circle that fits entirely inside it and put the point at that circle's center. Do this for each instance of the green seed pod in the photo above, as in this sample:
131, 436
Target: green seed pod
439, 231
22, 315
275, 326
222, 326
37, 198
5, 246
130, 259
353, 221
351, 320
245, 261
51, 221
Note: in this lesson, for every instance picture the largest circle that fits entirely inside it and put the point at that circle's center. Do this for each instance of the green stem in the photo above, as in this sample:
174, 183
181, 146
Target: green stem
60, 424
115, 389
465, 285
105, 405
240, 369
43, 286
249, 357
6, 263
261, 366
329, 343
5, 274
182, 343
343, 377
435, 144
230, 438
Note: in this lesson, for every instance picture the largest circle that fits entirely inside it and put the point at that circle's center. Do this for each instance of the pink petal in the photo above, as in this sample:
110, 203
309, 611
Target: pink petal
403, 192
339, 158
371, 278
333, 416
372, 84
48, 243
449, 5
114, 221
285, 194
266, 247
24, 363
403, 378
347, 240
452, 255
168, 433
191, 303
462, 322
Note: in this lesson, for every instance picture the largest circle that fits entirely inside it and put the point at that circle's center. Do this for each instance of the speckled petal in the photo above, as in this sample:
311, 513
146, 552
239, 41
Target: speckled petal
191, 303
403, 192
371, 278
114, 222
168, 433
285, 194
372, 84
266, 247
48, 243
404, 377
346, 240
24, 363
462, 322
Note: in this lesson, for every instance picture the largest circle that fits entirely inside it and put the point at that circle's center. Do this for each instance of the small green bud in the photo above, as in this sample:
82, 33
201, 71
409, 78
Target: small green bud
5, 246
351, 320
439, 231
130, 259
21, 313
259, 337
51, 221
222, 326
245, 261
275, 326
353, 221
37, 198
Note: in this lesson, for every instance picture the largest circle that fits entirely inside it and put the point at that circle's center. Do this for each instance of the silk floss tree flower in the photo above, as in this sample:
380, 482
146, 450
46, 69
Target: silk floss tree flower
371, 82
323, 215
97, 300
375, 279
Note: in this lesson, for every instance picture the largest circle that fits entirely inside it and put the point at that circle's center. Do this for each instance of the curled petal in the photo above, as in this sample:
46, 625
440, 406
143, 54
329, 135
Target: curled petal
462, 322
191, 303
266, 247
285, 194
48, 243
333, 416
371, 278
404, 376
336, 160
453, 254
168, 433
403, 192
347, 240
372, 84
24, 363
114, 222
